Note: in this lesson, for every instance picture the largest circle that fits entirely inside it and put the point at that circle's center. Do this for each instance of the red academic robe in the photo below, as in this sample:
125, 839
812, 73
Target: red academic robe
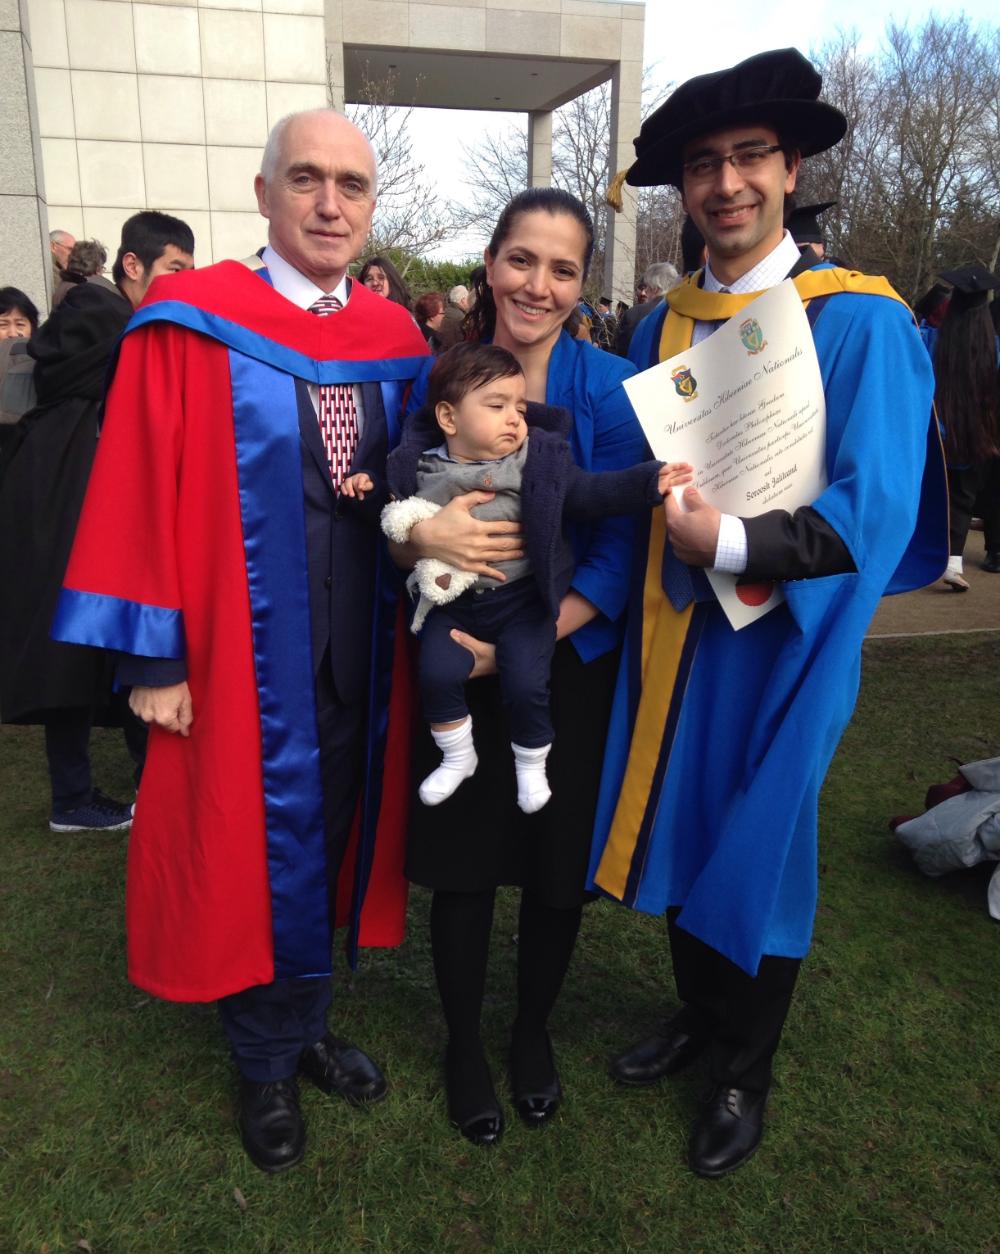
192, 544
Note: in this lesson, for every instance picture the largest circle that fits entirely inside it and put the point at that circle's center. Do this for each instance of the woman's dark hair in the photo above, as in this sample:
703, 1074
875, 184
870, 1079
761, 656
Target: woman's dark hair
13, 300
399, 293
967, 394
465, 367
148, 234
428, 306
481, 320
87, 257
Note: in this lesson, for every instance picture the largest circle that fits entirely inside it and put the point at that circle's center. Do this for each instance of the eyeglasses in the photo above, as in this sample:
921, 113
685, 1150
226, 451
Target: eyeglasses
743, 161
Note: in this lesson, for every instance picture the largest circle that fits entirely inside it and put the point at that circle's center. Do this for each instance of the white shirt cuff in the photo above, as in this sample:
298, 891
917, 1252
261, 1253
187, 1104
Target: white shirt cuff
731, 549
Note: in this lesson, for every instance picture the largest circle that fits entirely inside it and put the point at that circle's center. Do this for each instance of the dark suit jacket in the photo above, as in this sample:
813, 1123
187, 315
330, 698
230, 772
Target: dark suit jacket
342, 539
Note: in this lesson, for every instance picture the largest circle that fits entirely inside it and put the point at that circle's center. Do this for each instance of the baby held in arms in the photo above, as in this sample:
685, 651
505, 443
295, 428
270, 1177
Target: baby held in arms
477, 432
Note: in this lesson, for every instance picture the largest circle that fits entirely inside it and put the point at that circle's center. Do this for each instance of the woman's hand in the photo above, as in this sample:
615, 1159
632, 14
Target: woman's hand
485, 654
574, 612
454, 536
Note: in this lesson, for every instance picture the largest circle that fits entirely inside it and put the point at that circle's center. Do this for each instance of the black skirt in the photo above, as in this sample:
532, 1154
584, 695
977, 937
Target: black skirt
478, 838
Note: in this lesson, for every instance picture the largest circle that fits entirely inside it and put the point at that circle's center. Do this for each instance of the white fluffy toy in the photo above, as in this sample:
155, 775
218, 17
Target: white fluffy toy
435, 581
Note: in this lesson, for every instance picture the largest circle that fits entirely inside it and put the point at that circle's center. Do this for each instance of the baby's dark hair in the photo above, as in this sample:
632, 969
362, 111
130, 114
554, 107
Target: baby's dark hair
466, 367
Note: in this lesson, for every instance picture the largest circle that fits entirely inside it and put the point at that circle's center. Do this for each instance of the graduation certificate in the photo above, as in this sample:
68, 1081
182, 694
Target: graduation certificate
746, 408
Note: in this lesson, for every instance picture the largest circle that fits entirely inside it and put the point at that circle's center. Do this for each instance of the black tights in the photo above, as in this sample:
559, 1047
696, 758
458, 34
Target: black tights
460, 943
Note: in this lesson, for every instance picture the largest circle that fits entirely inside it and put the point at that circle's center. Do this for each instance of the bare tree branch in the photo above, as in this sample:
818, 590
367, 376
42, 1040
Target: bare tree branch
410, 217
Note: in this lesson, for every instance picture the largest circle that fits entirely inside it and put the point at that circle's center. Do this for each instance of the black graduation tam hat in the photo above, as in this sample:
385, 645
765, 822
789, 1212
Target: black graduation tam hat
803, 222
779, 88
972, 285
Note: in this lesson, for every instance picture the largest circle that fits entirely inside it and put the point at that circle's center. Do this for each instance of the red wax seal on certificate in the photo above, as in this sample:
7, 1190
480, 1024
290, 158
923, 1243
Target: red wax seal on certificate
754, 593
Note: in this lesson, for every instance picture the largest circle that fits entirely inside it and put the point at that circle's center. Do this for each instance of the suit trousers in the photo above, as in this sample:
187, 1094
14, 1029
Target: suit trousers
67, 746
269, 1026
963, 487
742, 1015
988, 505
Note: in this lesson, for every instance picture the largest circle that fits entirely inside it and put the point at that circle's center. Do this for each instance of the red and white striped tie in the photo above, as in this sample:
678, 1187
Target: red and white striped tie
338, 417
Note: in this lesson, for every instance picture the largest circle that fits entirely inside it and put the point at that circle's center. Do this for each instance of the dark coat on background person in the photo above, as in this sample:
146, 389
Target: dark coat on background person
630, 320
553, 486
450, 331
44, 480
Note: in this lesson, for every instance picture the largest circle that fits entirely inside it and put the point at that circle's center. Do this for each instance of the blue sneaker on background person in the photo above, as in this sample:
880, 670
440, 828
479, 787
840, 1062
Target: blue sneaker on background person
100, 814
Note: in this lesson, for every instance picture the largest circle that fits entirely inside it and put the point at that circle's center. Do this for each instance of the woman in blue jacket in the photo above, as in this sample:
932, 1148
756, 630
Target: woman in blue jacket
463, 849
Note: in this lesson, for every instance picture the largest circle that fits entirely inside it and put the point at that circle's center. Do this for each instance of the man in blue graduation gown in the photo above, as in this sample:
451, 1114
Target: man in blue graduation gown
720, 740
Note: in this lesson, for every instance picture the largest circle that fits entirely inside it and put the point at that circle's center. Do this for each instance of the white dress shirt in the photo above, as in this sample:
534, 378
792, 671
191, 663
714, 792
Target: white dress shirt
294, 286
731, 548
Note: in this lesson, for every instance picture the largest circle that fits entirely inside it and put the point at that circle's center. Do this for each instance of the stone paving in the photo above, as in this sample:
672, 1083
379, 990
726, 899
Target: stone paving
936, 609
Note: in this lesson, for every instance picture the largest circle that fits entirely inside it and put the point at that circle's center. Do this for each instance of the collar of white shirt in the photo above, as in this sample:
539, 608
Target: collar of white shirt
293, 284
767, 273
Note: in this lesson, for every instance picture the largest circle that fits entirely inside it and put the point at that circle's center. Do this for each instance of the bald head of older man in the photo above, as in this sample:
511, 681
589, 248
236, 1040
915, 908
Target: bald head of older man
317, 188
61, 245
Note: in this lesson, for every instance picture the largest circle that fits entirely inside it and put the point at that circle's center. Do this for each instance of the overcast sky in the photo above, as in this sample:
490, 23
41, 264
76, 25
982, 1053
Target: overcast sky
676, 48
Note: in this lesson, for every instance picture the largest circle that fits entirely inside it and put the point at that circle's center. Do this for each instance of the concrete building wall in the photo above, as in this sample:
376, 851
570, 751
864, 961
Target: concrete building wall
24, 226
167, 105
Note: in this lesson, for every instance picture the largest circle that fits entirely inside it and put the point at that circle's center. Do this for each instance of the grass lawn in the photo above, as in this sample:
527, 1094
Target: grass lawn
116, 1110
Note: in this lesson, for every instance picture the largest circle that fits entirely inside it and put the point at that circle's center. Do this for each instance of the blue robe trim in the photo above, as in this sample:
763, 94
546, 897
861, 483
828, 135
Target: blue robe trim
266, 428
107, 622
288, 360
388, 585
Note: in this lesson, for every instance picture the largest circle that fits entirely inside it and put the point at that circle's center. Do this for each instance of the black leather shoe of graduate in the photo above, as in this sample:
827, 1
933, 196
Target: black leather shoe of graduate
271, 1124
534, 1081
727, 1132
336, 1066
672, 1047
472, 1101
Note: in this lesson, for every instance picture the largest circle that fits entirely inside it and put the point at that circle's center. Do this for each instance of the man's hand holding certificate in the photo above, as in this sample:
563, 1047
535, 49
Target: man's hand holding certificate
746, 408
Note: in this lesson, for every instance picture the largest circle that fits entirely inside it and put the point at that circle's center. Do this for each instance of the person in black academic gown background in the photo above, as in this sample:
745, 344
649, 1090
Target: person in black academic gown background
46, 469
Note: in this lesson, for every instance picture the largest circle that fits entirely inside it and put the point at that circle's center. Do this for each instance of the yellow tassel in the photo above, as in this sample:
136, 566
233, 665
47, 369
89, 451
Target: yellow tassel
614, 193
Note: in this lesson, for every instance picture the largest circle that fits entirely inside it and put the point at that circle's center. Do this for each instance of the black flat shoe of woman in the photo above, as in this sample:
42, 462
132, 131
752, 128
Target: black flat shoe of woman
534, 1081
472, 1101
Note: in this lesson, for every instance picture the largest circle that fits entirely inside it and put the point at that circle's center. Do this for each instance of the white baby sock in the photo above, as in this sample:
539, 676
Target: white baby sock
955, 564
459, 763
532, 785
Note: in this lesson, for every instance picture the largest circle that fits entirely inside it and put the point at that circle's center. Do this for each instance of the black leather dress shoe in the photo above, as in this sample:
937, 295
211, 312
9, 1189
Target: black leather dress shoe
339, 1067
991, 563
472, 1101
727, 1132
271, 1123
669, 1049
536, 1088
